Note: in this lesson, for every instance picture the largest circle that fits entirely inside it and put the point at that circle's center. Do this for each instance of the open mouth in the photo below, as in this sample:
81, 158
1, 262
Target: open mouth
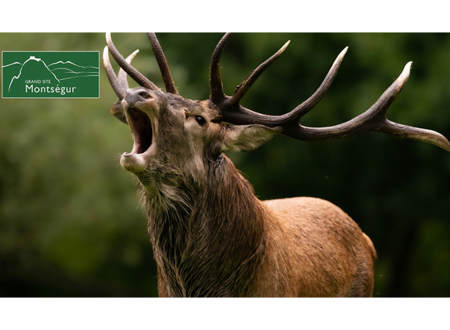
138, 159
141, 129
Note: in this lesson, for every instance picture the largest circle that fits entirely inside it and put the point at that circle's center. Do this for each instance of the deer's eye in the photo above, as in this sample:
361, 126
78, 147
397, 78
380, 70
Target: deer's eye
200, 120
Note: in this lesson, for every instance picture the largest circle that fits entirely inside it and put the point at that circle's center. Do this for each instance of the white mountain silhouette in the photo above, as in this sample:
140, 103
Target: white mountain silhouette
11, 64
32, 58
64, 69
70, 62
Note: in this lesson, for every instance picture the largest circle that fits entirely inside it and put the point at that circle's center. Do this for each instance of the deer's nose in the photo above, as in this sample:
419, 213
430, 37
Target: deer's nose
133, 96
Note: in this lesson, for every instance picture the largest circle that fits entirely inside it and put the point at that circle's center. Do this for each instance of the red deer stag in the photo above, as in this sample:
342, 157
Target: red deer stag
211, 236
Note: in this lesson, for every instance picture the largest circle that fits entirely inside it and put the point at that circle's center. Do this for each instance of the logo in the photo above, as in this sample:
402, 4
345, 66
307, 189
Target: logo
50, 74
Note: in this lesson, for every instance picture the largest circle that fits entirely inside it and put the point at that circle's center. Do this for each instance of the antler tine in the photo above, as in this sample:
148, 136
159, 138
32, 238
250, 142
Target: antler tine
244, 116
162, 63
119, 83
248, 82
128, 68
122, 76
216, 89
421, 134
115, 84
372, 120
312, 101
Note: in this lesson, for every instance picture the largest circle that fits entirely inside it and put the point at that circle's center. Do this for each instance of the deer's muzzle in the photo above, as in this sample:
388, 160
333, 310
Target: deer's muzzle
140, 123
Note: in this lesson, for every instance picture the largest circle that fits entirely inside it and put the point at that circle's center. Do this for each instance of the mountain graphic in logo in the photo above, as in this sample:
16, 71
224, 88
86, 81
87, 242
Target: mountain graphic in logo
33, 69
50, 74
69, 70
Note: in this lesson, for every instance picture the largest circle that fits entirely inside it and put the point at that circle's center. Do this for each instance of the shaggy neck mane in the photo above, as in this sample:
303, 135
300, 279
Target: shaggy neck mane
209, 241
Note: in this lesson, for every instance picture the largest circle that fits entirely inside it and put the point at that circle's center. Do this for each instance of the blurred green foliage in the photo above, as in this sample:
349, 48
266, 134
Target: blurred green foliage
70, 224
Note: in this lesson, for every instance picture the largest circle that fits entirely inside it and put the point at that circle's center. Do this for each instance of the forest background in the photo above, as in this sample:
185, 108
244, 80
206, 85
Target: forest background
70, 224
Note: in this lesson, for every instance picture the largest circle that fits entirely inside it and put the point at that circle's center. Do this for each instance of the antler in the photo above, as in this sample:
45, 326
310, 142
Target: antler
135, 74
217, 95
119, 83
373, 119
127, 67
162, 63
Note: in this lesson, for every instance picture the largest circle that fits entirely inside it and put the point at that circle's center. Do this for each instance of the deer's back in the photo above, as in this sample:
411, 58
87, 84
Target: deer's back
327, 252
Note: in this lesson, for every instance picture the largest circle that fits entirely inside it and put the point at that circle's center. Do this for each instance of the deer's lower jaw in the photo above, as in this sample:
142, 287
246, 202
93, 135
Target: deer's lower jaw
138, 159
136, 163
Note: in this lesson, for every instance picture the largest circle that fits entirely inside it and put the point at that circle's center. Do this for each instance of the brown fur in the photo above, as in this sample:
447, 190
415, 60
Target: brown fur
234, 245
211, 236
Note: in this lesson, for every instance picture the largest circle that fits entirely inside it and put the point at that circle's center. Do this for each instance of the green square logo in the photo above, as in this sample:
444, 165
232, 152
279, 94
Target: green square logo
50, 74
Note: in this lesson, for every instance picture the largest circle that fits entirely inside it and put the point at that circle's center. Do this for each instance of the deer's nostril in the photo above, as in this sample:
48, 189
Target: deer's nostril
145, 95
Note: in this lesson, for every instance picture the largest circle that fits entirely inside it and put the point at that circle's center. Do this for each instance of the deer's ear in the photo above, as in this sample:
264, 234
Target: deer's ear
117, 111
247, 137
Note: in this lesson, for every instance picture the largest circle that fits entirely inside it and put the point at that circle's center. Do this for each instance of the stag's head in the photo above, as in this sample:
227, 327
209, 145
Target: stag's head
171, 132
